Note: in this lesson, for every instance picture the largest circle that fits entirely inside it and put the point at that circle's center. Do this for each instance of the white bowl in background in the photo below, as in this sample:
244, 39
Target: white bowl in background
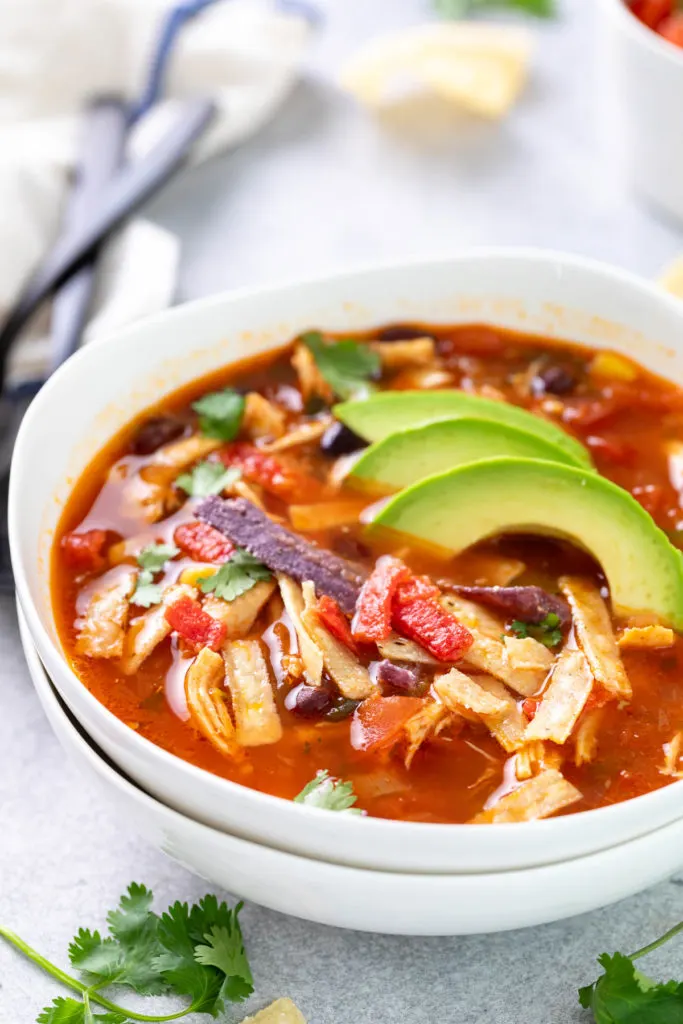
376, 901
563, 296
643, 76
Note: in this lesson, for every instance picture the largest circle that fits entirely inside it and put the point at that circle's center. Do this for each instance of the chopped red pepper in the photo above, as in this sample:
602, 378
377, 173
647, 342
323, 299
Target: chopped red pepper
275, 474
372, 621
379, 721
335, 622
417, 614
203, 543
672, 29
84, 551
530, 707
187, 617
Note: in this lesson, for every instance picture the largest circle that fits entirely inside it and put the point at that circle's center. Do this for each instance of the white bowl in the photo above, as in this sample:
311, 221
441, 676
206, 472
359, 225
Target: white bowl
644, 79
104, 385
377, 901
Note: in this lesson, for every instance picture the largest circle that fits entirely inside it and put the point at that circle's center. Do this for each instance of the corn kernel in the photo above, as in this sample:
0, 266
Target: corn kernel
611, 366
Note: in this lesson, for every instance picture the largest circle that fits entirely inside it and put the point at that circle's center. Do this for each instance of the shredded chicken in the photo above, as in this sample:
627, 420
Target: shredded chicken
282, 1011
586, 737
535, 757
147, 631
564, 700
540, 797
646, 637
466, 697
180, 454
102, 630
241, 614
252, 493
595, 635
311, 653
429, 721
307, 433
508, 728
311, 380
422, 378
206, 701
397, 355
672, 756
257, 721
398, 648
262, 418
352, 678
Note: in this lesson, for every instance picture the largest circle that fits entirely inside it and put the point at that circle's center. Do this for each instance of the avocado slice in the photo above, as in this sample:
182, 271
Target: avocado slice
456, 509
375, 417
407, 456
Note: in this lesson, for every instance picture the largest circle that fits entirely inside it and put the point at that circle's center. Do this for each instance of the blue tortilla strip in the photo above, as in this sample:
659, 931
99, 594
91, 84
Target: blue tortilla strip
528, 604
284, 551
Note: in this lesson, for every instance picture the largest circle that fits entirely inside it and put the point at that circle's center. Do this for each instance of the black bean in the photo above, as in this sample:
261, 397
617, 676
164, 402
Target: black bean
396, 677
402, 332
308, 701
554, 379
155, 432
339, 440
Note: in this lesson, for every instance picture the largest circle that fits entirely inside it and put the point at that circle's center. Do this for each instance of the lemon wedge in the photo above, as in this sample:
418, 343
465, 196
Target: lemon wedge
477, 66
672, 278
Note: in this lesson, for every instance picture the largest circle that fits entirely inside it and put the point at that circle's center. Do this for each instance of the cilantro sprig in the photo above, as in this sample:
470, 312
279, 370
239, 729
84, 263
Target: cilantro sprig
151, 560
220, 414
207, 478
623, 995
347, 365
196, 952
548, 632
459, 8
329, 794
240, 574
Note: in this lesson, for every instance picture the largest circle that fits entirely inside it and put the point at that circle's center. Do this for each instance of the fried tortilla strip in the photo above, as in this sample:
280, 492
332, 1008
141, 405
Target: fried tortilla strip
529, 661
327, 515
282, 1011
150, 629
467, 698
181, 454
564, 700
241, 614
509, 727
672, 754
257, 721
206, 701
311, 654
397, 355
102, 630
429, 721
311, 380
646, 637
399, 648
307, 433
540, 797
352, 678
488, 652
595, 635
586, 739
262, 418
489, 570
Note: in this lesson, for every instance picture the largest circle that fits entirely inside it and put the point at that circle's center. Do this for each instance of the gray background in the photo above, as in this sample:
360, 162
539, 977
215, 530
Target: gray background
323, 188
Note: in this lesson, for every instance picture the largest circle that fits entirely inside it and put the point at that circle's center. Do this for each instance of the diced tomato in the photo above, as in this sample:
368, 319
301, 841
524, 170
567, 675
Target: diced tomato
417, 615
530, 707
187, 617
84, 551
473, 341
652, 12
672, 29
276, 475
651, 496
618, 452
597, 698
335, 622
372, 621
379, 721
203, 543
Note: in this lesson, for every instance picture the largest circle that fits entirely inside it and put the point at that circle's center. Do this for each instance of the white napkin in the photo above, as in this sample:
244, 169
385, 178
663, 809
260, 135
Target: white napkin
245, 54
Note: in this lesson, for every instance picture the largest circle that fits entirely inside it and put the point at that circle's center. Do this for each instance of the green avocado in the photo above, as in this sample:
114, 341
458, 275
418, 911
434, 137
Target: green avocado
456, 509
410, 455
375, 417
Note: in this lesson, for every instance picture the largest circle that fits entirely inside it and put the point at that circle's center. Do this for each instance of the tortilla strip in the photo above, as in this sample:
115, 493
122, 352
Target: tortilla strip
311, 380
467, 698
586, 739
310, 652
429, 721
395, 355
489, 570
282, 1011
564, 700
509, 728
536, 756
148, 631
528, 660
307, 433
540, 797
672, 754
646, 637
102, 630
241, 614
352, 678
399, 648
181, 454
488, 652
262, 418
257, 721
327, 515
595, 635
206, 701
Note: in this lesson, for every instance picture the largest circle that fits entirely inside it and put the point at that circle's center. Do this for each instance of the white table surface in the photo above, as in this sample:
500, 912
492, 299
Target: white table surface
324, 188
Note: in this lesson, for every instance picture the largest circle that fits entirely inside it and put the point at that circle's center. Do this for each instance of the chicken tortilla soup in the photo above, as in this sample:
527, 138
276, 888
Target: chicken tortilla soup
422, 573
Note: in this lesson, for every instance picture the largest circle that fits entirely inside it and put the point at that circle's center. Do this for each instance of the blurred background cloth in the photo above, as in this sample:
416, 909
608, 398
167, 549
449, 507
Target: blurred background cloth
244, 54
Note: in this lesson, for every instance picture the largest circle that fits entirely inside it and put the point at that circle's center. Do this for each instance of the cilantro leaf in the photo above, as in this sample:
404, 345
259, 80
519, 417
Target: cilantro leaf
151, 559
347, 365
225, 951
155, 556
329, 794
207, 478
99, 958
220, 414
240, 574
548, 632
459, 8
625, 996
62, 1011
133, 925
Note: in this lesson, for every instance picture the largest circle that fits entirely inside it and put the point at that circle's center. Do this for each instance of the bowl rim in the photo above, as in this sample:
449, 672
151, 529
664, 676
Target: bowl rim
364, 825
645, 35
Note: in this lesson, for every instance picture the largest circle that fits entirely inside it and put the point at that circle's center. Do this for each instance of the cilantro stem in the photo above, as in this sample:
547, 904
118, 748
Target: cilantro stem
89, 994
658, 942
